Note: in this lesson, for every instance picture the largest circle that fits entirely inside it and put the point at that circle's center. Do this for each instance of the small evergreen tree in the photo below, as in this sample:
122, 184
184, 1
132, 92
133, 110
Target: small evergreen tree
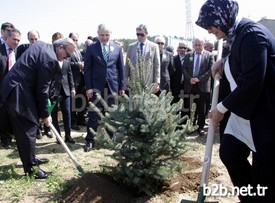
148, 136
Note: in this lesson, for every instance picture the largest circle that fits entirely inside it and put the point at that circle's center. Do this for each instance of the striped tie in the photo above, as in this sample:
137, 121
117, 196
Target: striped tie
197, 65
105, 54
10, 58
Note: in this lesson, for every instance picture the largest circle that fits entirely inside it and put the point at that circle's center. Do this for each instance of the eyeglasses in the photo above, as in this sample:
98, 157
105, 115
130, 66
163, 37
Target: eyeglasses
140, 34
75, 40
160, 43
7, 30
67, 53
182, 47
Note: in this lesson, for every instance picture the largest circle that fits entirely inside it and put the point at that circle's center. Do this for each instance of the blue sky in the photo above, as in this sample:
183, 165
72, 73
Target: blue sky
163, 17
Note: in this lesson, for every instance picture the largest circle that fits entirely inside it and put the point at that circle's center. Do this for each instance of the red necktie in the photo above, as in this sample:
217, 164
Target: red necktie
10, 58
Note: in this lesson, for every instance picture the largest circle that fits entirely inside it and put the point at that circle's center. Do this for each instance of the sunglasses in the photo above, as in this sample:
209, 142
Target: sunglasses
183, 47
140, 34
160, 43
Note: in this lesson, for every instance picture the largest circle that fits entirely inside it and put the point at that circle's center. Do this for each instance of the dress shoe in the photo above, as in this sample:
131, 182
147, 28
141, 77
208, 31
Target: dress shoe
69, 139
39, 174
42, 161
201, 132
49, 134
88, 147
39, 134
75, 127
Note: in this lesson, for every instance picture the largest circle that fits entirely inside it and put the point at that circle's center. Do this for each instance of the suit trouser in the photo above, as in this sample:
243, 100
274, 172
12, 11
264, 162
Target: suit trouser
79, 107
200, 98
25, 134
234, 155
65, 105
93, 117
5, 125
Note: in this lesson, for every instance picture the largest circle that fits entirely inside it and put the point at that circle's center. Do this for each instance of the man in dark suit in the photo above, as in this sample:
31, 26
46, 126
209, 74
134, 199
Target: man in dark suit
25, 93
197, 78
177, 75
63, 89
5, 27
7, 60
166, 64
104, 68
33, 36
79, 102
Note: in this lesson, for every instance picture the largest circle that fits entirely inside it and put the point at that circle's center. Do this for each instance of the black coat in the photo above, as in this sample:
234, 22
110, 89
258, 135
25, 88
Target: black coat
26, 86
253, 68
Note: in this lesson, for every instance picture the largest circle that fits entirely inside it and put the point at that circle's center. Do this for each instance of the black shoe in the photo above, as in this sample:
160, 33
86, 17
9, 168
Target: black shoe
42, 161
39, 174
201, 132
39, 134
88, 147
49, 134
69, 139
75, 127
6, 144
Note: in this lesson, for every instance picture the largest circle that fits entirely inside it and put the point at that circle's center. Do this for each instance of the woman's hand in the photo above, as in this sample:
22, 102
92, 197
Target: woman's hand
215, 116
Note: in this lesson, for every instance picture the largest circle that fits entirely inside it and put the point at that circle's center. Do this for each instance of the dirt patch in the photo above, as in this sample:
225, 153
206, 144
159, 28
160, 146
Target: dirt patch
100, 188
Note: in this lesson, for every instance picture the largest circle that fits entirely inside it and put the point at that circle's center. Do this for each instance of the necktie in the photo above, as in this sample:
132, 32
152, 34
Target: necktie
141, 48
197, 65
105, 54
10, 58
181, 61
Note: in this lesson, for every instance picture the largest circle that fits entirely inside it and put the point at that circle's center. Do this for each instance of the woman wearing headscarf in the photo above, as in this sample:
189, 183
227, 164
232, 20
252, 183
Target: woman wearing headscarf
248, 72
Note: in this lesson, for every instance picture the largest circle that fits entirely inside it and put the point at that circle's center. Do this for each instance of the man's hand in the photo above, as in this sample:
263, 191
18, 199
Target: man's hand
89, 93
47, 121
121, 92
73, 93
193, 81
156, 89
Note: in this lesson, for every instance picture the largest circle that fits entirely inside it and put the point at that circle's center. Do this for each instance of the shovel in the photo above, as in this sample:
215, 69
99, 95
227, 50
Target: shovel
208, 148
63, 144
209, 140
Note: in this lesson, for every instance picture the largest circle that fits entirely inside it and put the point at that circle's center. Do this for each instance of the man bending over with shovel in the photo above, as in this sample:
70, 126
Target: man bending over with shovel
25, 93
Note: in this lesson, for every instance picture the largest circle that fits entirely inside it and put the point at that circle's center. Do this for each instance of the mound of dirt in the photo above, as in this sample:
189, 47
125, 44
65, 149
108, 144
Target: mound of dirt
100, 188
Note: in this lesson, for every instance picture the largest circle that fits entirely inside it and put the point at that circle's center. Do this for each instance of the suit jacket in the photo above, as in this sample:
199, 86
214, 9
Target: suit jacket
21, 49
176, 76
97, 71
151, 56
204, 75
166, 68
63, 80
3, 62
252, 65
26, 86
75, 58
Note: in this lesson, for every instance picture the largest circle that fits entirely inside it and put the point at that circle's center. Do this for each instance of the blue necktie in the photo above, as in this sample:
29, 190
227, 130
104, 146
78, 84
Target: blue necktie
105, 54
141, 48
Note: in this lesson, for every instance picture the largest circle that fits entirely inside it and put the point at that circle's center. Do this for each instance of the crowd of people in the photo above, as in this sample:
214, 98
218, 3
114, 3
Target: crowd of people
99, 68
33, 74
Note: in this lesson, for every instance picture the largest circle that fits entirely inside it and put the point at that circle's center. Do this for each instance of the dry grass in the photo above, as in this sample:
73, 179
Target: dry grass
14, 187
